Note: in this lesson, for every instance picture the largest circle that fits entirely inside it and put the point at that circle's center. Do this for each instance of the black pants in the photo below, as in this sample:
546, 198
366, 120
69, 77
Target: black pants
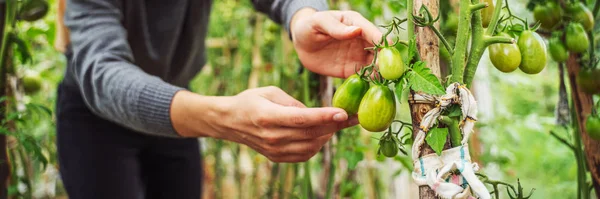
100, 159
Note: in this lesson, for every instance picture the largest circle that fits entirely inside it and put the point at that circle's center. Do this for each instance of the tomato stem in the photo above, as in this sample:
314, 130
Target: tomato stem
453, 128
495, 18
489, 40
481, 40
478, 6
462, 41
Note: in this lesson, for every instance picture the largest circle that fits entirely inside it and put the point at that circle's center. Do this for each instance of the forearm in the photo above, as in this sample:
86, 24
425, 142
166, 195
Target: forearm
194, 115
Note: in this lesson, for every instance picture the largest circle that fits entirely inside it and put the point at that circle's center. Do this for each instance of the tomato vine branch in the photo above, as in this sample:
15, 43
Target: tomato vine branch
479, 6
427, 21
482, 40
562, 140
462, 41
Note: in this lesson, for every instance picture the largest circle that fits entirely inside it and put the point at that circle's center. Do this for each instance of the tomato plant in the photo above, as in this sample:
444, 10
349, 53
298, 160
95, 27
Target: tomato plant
582, 14
548, 14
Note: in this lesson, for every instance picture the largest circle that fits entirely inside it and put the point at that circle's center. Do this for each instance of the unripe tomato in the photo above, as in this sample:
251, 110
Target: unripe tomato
582, 14
377, 109
505, 57
549, 15
390, 63
487, 13
33, 10
577, 39
533, 52
350, 93
592, 126
388, 147
32, 83
558, 51
588, 81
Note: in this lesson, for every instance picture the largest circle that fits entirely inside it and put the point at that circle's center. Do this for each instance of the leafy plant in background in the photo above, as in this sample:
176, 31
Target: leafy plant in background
25, 124
577, 47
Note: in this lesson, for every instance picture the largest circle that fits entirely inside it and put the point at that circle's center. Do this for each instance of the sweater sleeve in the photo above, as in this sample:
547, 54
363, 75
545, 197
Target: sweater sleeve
102, 65
281, 11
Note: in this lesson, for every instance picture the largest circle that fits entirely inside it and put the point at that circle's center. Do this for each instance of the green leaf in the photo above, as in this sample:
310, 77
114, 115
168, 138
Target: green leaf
421, 79
454, 111
41, 107
413, 53
399, 91
353, 157
436, 138
22, 48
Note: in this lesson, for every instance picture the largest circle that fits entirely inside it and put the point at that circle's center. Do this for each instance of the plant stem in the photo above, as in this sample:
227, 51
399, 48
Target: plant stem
443, 39
306, 165
596, 9
592, 48
331, 176
495, 18
489, 40
7, 29
453, 128
481, 40
410, 24
478, 6
562, 140
477, 48
462, 41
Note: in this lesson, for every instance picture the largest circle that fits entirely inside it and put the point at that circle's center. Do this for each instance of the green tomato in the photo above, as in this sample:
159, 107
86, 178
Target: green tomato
390, 63
505, 57
588, 81
350, 93
580, 13
549, 15
33, 10
592, 126
377, 109
487, 13
533, 52
558, 51
577, 39
388, 147
32, 83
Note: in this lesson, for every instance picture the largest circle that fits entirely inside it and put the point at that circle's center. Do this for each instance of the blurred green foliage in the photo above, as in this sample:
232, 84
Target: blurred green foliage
515, 141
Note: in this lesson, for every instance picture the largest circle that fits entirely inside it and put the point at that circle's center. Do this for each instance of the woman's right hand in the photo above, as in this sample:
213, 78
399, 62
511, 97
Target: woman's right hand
266, 119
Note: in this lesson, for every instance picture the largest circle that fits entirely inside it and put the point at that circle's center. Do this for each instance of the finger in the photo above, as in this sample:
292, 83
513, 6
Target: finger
331, 25
306, 117
298, 134
369, 32
301, 151
278, 96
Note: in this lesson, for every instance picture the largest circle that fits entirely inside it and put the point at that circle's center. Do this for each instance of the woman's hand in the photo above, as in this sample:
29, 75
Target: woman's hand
332, 42
266, 119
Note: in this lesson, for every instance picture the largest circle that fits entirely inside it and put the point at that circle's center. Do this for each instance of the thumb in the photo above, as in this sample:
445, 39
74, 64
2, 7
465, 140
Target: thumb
336, 29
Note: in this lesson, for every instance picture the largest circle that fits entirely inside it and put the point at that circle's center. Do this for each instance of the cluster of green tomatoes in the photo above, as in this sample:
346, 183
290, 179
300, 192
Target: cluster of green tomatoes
578, 20
367, 95
374, 103
530, 53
